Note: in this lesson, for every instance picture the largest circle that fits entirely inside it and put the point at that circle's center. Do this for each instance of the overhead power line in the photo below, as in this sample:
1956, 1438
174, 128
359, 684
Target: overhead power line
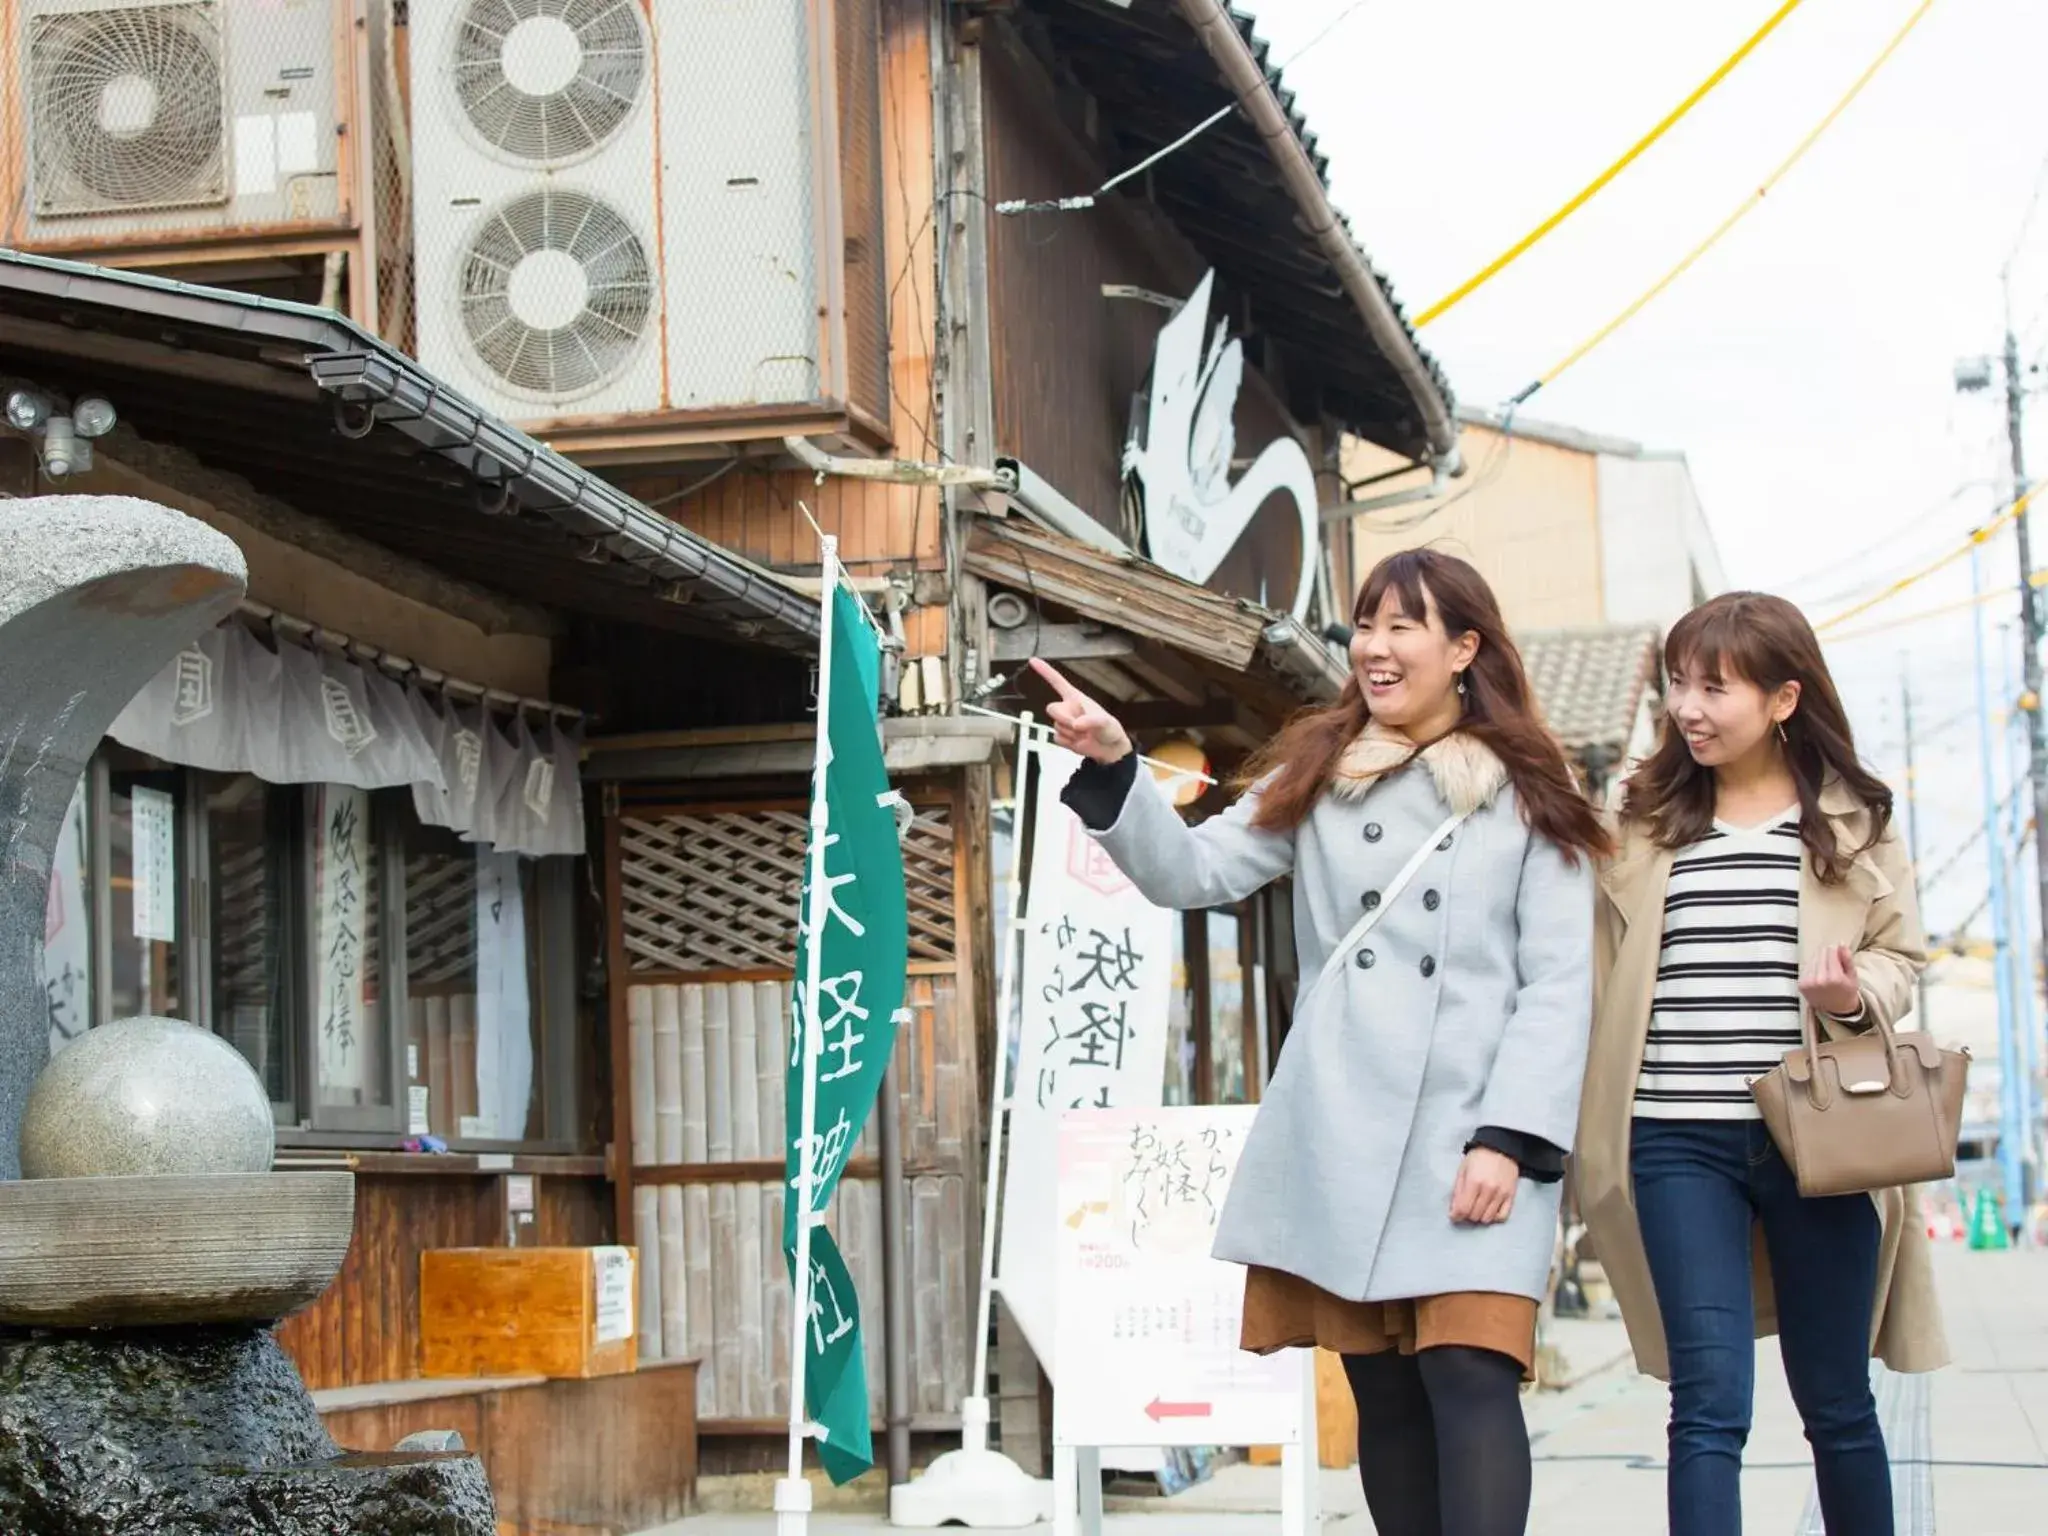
1585, 194
1920, 615
1977, 539
1083, 200
1749, 204
1955, 858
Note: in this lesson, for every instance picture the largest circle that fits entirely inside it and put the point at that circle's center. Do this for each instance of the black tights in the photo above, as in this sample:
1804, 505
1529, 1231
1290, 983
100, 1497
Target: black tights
1442, 1446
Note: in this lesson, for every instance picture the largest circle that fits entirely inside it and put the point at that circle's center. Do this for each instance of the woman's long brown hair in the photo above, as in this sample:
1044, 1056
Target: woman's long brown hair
1765, 641
1500, 710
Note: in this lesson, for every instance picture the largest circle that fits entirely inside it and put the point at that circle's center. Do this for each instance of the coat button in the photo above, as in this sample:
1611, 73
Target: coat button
1428, 966
1440, 847
1365, 959
1431, 900
1373, 832
1370, 901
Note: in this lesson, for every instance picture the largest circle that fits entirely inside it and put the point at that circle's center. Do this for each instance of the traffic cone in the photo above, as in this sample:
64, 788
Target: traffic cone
1987, 1225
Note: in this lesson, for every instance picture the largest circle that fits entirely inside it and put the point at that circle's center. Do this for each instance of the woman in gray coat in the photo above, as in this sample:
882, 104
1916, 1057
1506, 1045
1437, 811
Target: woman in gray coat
1397, 1198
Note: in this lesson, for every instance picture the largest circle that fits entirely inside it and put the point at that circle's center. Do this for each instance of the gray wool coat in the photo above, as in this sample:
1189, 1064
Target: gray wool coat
1468, 1005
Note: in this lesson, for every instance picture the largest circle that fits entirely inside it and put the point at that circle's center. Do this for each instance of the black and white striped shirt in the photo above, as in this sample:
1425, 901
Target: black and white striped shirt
1727, 1000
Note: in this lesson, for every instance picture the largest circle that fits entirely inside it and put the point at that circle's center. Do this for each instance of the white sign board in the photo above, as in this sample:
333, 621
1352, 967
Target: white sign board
1148, 1321
614, 1270
1095, 981
153, 825
504, 1003
341, 910
1195, 515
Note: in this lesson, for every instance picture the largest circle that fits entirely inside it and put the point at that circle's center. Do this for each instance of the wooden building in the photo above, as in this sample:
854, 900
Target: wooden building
396, 540
1049, 403
1006, 521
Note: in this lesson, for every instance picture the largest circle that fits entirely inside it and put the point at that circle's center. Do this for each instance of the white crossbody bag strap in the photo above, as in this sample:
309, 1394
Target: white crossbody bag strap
1365, 924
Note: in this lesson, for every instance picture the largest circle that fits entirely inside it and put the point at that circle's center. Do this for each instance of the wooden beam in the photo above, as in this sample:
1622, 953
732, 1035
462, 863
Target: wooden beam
1104, 678
1139, 599
1170, 675
1170, 715
1059, 642
754, 1171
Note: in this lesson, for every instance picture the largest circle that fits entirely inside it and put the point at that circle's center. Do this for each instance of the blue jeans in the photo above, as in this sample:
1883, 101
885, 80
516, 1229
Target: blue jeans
1699, 1185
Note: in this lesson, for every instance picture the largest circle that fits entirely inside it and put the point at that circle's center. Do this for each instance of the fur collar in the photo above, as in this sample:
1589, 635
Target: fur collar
1469, 777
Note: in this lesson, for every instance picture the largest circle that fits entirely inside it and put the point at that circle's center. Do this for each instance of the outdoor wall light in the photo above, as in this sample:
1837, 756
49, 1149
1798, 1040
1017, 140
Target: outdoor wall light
26, 409
66, 439
93, 417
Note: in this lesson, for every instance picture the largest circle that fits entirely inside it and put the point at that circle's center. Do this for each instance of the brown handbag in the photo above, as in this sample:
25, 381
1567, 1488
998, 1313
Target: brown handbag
1872, 1111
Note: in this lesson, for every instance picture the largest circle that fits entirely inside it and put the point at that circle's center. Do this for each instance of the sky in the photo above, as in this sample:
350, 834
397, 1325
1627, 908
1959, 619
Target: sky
1805, 366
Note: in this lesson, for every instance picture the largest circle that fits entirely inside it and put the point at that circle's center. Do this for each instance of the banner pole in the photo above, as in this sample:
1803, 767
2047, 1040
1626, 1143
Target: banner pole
793, 1493
975, 1486
974, 1410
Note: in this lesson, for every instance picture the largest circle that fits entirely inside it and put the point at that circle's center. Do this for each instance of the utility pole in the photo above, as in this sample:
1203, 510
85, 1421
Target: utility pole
2014, 850
2011, 1133
2030, 628
1913, 832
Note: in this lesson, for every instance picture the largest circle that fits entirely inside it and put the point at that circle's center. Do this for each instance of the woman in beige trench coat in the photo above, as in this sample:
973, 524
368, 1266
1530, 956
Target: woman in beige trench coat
1863, 924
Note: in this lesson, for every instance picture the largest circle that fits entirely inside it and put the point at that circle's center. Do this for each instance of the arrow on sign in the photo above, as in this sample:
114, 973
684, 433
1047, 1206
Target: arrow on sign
1157, 1410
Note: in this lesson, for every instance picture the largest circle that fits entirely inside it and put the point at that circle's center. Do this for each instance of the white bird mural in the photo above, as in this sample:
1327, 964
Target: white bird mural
1192, 515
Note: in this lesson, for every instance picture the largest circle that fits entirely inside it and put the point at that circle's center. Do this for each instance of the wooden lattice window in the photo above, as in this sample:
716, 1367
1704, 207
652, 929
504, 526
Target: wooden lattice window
719, 890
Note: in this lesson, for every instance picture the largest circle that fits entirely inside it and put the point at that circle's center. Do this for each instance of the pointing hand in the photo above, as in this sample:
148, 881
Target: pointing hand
1079, 723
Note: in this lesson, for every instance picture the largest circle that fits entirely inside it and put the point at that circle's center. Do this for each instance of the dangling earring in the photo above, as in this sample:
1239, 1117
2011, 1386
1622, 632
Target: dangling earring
1461, 684
1783, 739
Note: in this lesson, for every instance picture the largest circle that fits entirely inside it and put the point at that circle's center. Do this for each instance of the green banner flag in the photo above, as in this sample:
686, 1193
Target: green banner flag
860, 922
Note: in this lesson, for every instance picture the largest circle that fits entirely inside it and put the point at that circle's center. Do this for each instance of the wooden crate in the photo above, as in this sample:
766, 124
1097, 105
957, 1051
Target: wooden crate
524, 1312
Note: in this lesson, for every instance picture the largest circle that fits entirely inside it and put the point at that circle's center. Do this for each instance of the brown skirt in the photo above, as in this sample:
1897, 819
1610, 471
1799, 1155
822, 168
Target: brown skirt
1283, 1311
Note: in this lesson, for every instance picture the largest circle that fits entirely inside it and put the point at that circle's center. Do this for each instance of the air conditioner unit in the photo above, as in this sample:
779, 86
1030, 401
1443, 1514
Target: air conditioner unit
739, 204
535, 235
175, 121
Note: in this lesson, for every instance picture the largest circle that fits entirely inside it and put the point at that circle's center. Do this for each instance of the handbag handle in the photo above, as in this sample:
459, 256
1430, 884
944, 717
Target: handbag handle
1821, 1097
1366, 924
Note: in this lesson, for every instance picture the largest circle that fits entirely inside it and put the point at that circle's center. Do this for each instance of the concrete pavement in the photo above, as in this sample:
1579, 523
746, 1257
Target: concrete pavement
1969, 1444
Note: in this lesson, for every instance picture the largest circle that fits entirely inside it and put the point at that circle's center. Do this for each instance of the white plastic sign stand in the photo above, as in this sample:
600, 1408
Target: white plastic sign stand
1148, 1321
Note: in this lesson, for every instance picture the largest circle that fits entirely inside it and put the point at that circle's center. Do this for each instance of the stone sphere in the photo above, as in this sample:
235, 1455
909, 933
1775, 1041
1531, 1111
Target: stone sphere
142, 1096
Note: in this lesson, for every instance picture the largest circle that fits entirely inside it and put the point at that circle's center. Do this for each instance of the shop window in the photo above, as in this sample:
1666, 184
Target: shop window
1219, 1010
1229, 1072
146, 851
472, 942
250, 837
384, 978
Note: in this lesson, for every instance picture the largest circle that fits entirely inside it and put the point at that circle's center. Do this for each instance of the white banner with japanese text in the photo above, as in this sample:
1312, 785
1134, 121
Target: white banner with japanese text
1097, 972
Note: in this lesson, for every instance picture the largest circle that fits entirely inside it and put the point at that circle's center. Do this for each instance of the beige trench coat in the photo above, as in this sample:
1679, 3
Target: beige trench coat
1875, 913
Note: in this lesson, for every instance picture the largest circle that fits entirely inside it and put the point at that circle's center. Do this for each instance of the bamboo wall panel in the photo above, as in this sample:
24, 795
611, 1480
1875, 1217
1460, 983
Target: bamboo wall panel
719, 890
365, 1329
716, 1287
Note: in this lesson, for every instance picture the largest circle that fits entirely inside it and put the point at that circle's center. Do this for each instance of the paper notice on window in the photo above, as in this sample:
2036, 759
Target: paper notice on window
154, 823
418, 1119
341, 910
614, 1270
